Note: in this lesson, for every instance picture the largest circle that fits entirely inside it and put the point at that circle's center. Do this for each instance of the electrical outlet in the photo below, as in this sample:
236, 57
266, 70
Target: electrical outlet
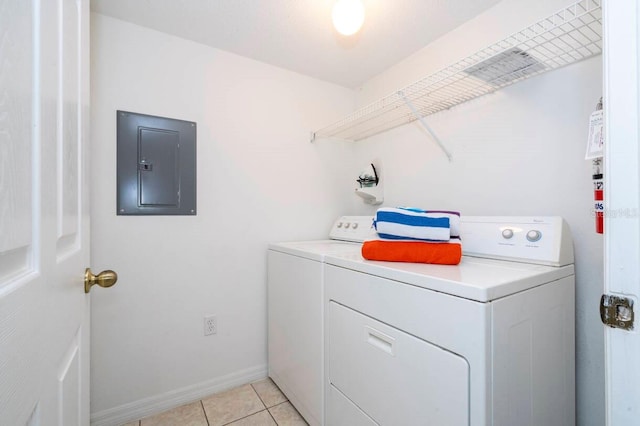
210, 325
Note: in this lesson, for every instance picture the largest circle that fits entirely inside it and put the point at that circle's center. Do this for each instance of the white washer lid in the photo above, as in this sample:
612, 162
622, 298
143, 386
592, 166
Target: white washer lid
316, 250
478, 279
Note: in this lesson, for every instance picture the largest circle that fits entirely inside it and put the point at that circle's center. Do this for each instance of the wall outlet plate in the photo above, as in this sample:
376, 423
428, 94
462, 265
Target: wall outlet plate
210, 325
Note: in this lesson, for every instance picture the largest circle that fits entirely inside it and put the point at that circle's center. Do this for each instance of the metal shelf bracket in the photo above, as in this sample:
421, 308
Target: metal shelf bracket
424, 124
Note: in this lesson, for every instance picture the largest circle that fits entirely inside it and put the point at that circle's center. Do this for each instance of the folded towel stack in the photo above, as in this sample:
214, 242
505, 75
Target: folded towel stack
415, 235
410, 223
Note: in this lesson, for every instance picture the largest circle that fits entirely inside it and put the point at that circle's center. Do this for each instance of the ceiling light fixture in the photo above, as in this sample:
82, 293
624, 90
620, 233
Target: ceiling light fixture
348, 16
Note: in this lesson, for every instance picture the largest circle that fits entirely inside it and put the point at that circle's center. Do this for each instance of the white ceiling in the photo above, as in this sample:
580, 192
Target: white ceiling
298, 34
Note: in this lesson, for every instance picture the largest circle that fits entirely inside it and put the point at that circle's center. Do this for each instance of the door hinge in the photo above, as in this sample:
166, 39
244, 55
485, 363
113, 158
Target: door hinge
616, 311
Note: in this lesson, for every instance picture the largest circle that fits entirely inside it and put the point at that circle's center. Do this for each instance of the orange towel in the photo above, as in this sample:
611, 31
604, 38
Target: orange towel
413, 251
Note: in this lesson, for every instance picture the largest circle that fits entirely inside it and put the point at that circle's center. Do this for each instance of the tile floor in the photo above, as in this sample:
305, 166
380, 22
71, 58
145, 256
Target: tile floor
257, 404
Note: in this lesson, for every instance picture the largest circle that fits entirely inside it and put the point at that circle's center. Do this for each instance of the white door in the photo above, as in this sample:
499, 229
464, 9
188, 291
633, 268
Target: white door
44, 215
622, 201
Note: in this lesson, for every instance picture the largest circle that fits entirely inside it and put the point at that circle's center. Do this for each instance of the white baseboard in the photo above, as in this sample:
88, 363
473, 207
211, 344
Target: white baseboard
158, 403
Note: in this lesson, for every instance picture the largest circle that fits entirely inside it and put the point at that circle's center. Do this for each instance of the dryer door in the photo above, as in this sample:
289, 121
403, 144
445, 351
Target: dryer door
395, 378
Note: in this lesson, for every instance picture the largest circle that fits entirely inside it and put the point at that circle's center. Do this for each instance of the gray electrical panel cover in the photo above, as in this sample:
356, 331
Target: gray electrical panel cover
156, 165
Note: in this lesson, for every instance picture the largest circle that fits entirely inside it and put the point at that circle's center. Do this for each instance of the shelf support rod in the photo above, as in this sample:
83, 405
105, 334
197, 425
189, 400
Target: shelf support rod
424, 124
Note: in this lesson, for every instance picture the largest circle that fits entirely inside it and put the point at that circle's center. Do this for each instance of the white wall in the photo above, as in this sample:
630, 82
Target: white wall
519, 151
259, 180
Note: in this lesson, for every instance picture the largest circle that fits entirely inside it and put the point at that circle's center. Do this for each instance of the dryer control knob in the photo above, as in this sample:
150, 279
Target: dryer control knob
340, 225
355, 225
507, 233
534, 235
347, 225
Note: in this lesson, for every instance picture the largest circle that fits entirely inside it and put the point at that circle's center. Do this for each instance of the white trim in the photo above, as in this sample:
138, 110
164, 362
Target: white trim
622, 202
156, 404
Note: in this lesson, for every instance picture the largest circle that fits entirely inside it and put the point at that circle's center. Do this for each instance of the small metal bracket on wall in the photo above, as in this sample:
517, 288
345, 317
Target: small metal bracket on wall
617, 312
424, 124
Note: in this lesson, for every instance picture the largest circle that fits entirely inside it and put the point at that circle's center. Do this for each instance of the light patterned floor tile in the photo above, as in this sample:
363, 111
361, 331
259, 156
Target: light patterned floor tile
263, 418
269, 392
234, 404
186, 415
136, 423
286, 415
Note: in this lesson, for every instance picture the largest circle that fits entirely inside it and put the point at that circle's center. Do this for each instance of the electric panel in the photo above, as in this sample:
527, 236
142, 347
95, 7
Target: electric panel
156, 165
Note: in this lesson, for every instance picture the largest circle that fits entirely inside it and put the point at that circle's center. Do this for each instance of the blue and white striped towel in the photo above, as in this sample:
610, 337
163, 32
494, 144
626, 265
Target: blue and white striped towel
417, 224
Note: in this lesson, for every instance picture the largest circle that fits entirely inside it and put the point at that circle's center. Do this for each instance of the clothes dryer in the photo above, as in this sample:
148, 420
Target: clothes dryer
489, 342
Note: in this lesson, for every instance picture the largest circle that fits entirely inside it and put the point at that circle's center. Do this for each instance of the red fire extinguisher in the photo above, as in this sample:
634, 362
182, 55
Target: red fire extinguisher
595, 152
598, 195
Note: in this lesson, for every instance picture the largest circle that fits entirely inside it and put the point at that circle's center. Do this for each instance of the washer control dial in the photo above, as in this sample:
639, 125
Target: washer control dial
534, 235
507, 233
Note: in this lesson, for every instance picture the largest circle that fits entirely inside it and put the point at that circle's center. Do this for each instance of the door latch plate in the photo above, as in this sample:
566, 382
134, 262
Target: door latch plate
617, 312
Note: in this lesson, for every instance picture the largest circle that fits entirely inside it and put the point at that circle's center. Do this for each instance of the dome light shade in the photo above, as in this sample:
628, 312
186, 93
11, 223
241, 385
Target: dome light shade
348, 16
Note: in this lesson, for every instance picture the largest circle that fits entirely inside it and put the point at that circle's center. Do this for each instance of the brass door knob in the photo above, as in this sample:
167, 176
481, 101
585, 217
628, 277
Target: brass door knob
103, 279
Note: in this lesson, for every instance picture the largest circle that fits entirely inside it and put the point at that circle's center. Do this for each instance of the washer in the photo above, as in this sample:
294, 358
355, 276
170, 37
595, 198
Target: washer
295, 295
487, 342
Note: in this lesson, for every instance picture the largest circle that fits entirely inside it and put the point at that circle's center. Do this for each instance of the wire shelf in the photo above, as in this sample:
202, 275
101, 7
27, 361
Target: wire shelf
568, 36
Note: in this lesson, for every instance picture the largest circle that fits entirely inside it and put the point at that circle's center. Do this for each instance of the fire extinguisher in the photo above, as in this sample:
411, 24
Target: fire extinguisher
595, 152
598, 194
